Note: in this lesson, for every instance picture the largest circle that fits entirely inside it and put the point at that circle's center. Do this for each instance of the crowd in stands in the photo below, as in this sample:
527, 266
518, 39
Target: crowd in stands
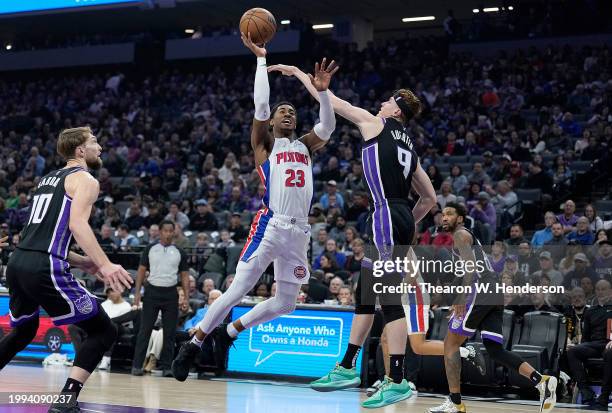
176, 147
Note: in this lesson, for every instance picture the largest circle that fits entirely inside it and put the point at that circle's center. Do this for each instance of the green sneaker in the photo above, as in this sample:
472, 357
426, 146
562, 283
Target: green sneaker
388, 393
337, 379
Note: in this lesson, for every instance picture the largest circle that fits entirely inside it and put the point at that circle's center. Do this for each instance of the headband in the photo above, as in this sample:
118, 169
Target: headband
404, 107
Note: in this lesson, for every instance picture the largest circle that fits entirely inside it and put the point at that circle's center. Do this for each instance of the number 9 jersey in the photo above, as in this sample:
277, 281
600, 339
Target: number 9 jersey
287, 176
47, 229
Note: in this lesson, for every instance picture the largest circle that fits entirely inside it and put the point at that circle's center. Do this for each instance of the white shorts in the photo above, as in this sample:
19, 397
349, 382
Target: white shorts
284, 240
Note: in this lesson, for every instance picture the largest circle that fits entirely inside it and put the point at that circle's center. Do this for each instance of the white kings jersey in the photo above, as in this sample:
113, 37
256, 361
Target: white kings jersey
287, 176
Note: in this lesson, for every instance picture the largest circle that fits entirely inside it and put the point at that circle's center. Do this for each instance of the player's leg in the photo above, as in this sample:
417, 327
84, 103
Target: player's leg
23, 311
247, 274
493, 340
282, 303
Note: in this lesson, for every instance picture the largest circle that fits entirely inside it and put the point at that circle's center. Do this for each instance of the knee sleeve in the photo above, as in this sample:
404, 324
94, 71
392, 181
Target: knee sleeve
502, 356
282, 303
392, 313
101, 335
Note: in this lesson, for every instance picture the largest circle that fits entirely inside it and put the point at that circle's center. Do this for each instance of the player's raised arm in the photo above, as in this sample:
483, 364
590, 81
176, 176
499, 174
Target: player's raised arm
261, 140
368, 124
427, 195
320, 134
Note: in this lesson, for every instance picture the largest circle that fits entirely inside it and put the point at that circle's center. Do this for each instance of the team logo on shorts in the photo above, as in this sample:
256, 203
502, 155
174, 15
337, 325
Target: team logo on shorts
84, 304
299, 272
456, 323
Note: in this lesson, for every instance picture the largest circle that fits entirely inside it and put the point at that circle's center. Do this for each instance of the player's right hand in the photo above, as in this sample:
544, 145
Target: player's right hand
116, 276
258, 51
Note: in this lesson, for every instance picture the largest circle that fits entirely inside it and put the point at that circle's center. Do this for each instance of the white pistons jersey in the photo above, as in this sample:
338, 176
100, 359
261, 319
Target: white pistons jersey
287, 176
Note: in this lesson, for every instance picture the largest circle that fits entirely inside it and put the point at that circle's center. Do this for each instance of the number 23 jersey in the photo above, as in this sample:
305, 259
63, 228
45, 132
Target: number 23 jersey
47, 229
287, 176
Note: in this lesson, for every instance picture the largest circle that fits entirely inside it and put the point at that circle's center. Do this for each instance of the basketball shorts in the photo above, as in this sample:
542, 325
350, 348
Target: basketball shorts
36, 279
483, 313
391, 232
280, 239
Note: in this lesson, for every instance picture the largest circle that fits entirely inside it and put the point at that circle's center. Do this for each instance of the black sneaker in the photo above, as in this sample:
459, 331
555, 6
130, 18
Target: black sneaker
222, 343
184, 360
167, 373
63, 408
588, 396
476, 359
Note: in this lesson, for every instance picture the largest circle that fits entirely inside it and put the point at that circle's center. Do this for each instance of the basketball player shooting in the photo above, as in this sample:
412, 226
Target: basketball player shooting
38, 272
280, 232
482, 312
392, 169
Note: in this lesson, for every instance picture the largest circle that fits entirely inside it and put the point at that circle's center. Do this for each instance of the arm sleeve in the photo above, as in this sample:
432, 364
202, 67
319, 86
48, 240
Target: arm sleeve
261, 93
183, 266
327, 119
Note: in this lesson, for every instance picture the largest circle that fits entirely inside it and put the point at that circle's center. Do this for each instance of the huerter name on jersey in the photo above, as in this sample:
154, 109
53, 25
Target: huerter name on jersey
401, 136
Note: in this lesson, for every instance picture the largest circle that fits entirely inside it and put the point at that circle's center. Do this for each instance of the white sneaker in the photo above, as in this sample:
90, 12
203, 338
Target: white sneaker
105, 363
547, 389
448, 407
375, 387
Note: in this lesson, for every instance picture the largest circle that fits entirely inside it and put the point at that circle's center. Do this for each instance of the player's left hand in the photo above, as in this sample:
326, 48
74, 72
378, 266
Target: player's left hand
323, 74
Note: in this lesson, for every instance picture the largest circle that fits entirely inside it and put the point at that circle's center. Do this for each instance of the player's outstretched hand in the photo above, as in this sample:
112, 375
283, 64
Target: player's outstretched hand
284, 69
3, 242
323, 74
116, 277
257, 50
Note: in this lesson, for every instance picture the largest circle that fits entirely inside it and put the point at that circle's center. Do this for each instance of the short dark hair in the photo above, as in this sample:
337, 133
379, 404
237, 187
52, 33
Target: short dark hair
278, 105
124, 227
166, 222
460, 209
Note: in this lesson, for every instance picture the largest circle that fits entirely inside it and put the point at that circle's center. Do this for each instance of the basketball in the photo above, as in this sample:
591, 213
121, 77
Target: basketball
260, 23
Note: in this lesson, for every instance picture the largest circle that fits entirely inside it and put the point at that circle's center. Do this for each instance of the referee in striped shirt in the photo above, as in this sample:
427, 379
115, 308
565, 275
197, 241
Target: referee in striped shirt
165, 262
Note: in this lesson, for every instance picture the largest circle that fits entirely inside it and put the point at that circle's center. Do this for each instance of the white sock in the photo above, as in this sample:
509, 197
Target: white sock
464, 352
197, 342
231, 330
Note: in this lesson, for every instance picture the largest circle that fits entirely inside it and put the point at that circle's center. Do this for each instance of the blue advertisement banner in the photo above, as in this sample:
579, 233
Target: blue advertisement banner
23, 6
304, 343
49, 338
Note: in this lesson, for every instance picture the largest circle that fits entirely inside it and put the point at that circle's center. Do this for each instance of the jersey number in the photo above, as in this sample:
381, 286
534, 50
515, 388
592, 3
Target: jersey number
405, 159
39, 208
295, 178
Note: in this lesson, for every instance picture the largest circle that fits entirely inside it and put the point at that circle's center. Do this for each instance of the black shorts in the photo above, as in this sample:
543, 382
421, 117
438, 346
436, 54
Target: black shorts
484, 313
391, 231
36, 279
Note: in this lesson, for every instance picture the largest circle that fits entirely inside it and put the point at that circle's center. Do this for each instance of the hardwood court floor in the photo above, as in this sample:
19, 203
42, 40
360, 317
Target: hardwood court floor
118, 393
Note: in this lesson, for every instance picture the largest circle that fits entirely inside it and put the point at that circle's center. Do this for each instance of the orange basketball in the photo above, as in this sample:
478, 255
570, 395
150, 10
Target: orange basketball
260, 23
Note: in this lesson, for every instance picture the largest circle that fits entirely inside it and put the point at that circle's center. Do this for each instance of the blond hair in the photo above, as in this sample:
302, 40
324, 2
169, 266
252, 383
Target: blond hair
70, 139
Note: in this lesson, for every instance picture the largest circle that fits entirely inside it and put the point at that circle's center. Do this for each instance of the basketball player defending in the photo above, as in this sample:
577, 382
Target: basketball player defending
280, 230
392, 168
38, 272
482, 312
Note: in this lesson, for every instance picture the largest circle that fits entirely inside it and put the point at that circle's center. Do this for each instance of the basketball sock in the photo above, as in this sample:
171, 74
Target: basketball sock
455, 398
397, 368
535, 378
464, 352
231, 330
197, 342
72, 386
350, 357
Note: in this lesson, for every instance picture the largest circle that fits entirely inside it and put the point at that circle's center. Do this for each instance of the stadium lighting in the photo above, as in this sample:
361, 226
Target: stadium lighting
189, 31
418, 19
322, 26
9, 46
510, 8
475, 11
490, 9
285, 21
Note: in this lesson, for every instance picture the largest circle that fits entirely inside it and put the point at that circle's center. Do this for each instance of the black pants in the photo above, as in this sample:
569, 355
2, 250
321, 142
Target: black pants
156, 299
78, 335
577, 355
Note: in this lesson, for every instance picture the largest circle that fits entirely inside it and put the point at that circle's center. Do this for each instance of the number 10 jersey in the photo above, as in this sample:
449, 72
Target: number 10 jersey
47, 229
287, 177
